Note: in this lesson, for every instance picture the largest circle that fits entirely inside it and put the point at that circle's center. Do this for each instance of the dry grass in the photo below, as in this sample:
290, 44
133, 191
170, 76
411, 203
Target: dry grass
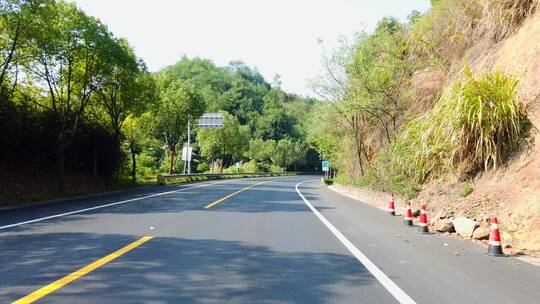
453, 26
500, 18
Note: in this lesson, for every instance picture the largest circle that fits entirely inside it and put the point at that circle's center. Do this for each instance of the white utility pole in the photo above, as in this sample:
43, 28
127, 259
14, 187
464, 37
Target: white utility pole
189, 146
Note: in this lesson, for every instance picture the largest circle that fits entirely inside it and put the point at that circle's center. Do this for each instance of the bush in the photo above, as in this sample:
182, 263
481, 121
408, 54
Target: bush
369, 179
203, 167
250, 167
475, 124
342, 179
381, 177
177, 168
276, 169
328, 181
466, 189
146, 164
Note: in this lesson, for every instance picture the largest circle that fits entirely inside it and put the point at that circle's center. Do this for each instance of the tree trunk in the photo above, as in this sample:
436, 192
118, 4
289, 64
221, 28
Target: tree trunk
358, 144
4, 163
133, 166
10, 55
95, 164
171, 166
360, 162
60, 168
359, 148
115, 156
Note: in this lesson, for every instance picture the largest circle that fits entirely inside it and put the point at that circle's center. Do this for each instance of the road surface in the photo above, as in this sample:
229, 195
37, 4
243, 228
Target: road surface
242, 241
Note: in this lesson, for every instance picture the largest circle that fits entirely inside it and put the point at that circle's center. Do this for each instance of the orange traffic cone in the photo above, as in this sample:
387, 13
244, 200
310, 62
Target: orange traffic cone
391, 206
423, 226
495, 247
407, 219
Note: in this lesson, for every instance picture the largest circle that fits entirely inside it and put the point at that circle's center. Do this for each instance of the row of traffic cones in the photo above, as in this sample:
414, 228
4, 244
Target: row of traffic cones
494, 249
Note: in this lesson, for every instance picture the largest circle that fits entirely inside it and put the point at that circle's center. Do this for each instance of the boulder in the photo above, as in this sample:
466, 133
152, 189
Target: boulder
444, 226
481, 233
464, 226
446, 215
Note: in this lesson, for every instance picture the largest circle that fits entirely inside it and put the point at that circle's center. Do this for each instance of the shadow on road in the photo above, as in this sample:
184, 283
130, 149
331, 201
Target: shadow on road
175, 270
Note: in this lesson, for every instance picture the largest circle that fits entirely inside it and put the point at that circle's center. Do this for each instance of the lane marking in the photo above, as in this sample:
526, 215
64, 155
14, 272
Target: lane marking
40, 293
107, 205
231, 195
392, 287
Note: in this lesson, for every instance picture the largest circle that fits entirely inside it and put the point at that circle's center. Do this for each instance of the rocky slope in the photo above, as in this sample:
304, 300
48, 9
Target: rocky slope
512, 193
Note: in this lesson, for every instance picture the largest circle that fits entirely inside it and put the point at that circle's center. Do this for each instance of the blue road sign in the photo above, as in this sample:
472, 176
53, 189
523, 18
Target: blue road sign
325, 165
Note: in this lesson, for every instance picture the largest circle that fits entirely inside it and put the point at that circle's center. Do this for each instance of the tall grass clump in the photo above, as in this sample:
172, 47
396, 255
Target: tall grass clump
490, 118
474, 126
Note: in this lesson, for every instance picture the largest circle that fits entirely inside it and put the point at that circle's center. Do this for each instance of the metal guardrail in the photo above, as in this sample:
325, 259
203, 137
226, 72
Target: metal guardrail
162, 178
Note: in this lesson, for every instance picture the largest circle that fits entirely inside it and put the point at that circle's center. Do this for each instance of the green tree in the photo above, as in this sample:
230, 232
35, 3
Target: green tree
19, 24
126, 88
287, 153
67, 62
380, 78
179, 102
137, 131
261, 150
227, 144
209, 81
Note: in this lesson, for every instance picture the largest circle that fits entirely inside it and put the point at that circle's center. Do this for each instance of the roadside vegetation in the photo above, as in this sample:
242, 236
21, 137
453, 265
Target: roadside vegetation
80, 112
382, 129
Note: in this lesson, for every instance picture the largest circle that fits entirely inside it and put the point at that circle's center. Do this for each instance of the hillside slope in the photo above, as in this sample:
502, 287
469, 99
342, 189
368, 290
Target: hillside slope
512, 192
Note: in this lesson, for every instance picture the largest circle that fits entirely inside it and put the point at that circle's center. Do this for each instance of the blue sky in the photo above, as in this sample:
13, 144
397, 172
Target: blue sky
277, 37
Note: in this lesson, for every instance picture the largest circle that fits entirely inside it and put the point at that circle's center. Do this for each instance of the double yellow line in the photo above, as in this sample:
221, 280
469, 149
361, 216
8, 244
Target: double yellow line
52, 287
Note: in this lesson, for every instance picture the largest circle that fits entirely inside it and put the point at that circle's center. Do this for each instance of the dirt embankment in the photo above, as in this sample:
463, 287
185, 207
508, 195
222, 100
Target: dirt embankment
512, 193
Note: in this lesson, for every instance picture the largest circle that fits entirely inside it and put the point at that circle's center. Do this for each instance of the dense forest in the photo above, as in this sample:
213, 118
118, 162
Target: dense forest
79, 109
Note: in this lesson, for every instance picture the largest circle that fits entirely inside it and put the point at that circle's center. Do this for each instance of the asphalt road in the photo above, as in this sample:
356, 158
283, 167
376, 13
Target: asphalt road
262, 244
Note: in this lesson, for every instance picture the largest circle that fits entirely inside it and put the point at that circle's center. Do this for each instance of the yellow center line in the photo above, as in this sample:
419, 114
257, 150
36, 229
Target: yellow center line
231, 195
38, 294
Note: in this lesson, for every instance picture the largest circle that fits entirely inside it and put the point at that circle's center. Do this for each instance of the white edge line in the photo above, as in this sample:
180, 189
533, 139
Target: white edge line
107, 205
392, 287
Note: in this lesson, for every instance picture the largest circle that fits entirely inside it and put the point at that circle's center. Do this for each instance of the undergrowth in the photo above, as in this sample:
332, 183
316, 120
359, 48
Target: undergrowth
452, 26
474, 126
466, 190
379, 177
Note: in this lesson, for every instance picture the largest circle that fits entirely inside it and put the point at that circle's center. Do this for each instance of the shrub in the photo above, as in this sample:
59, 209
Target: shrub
146, 164
276, 169
369, 179
250, 167
475, 124
465, 190
177, 168
328, 181
203, 167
